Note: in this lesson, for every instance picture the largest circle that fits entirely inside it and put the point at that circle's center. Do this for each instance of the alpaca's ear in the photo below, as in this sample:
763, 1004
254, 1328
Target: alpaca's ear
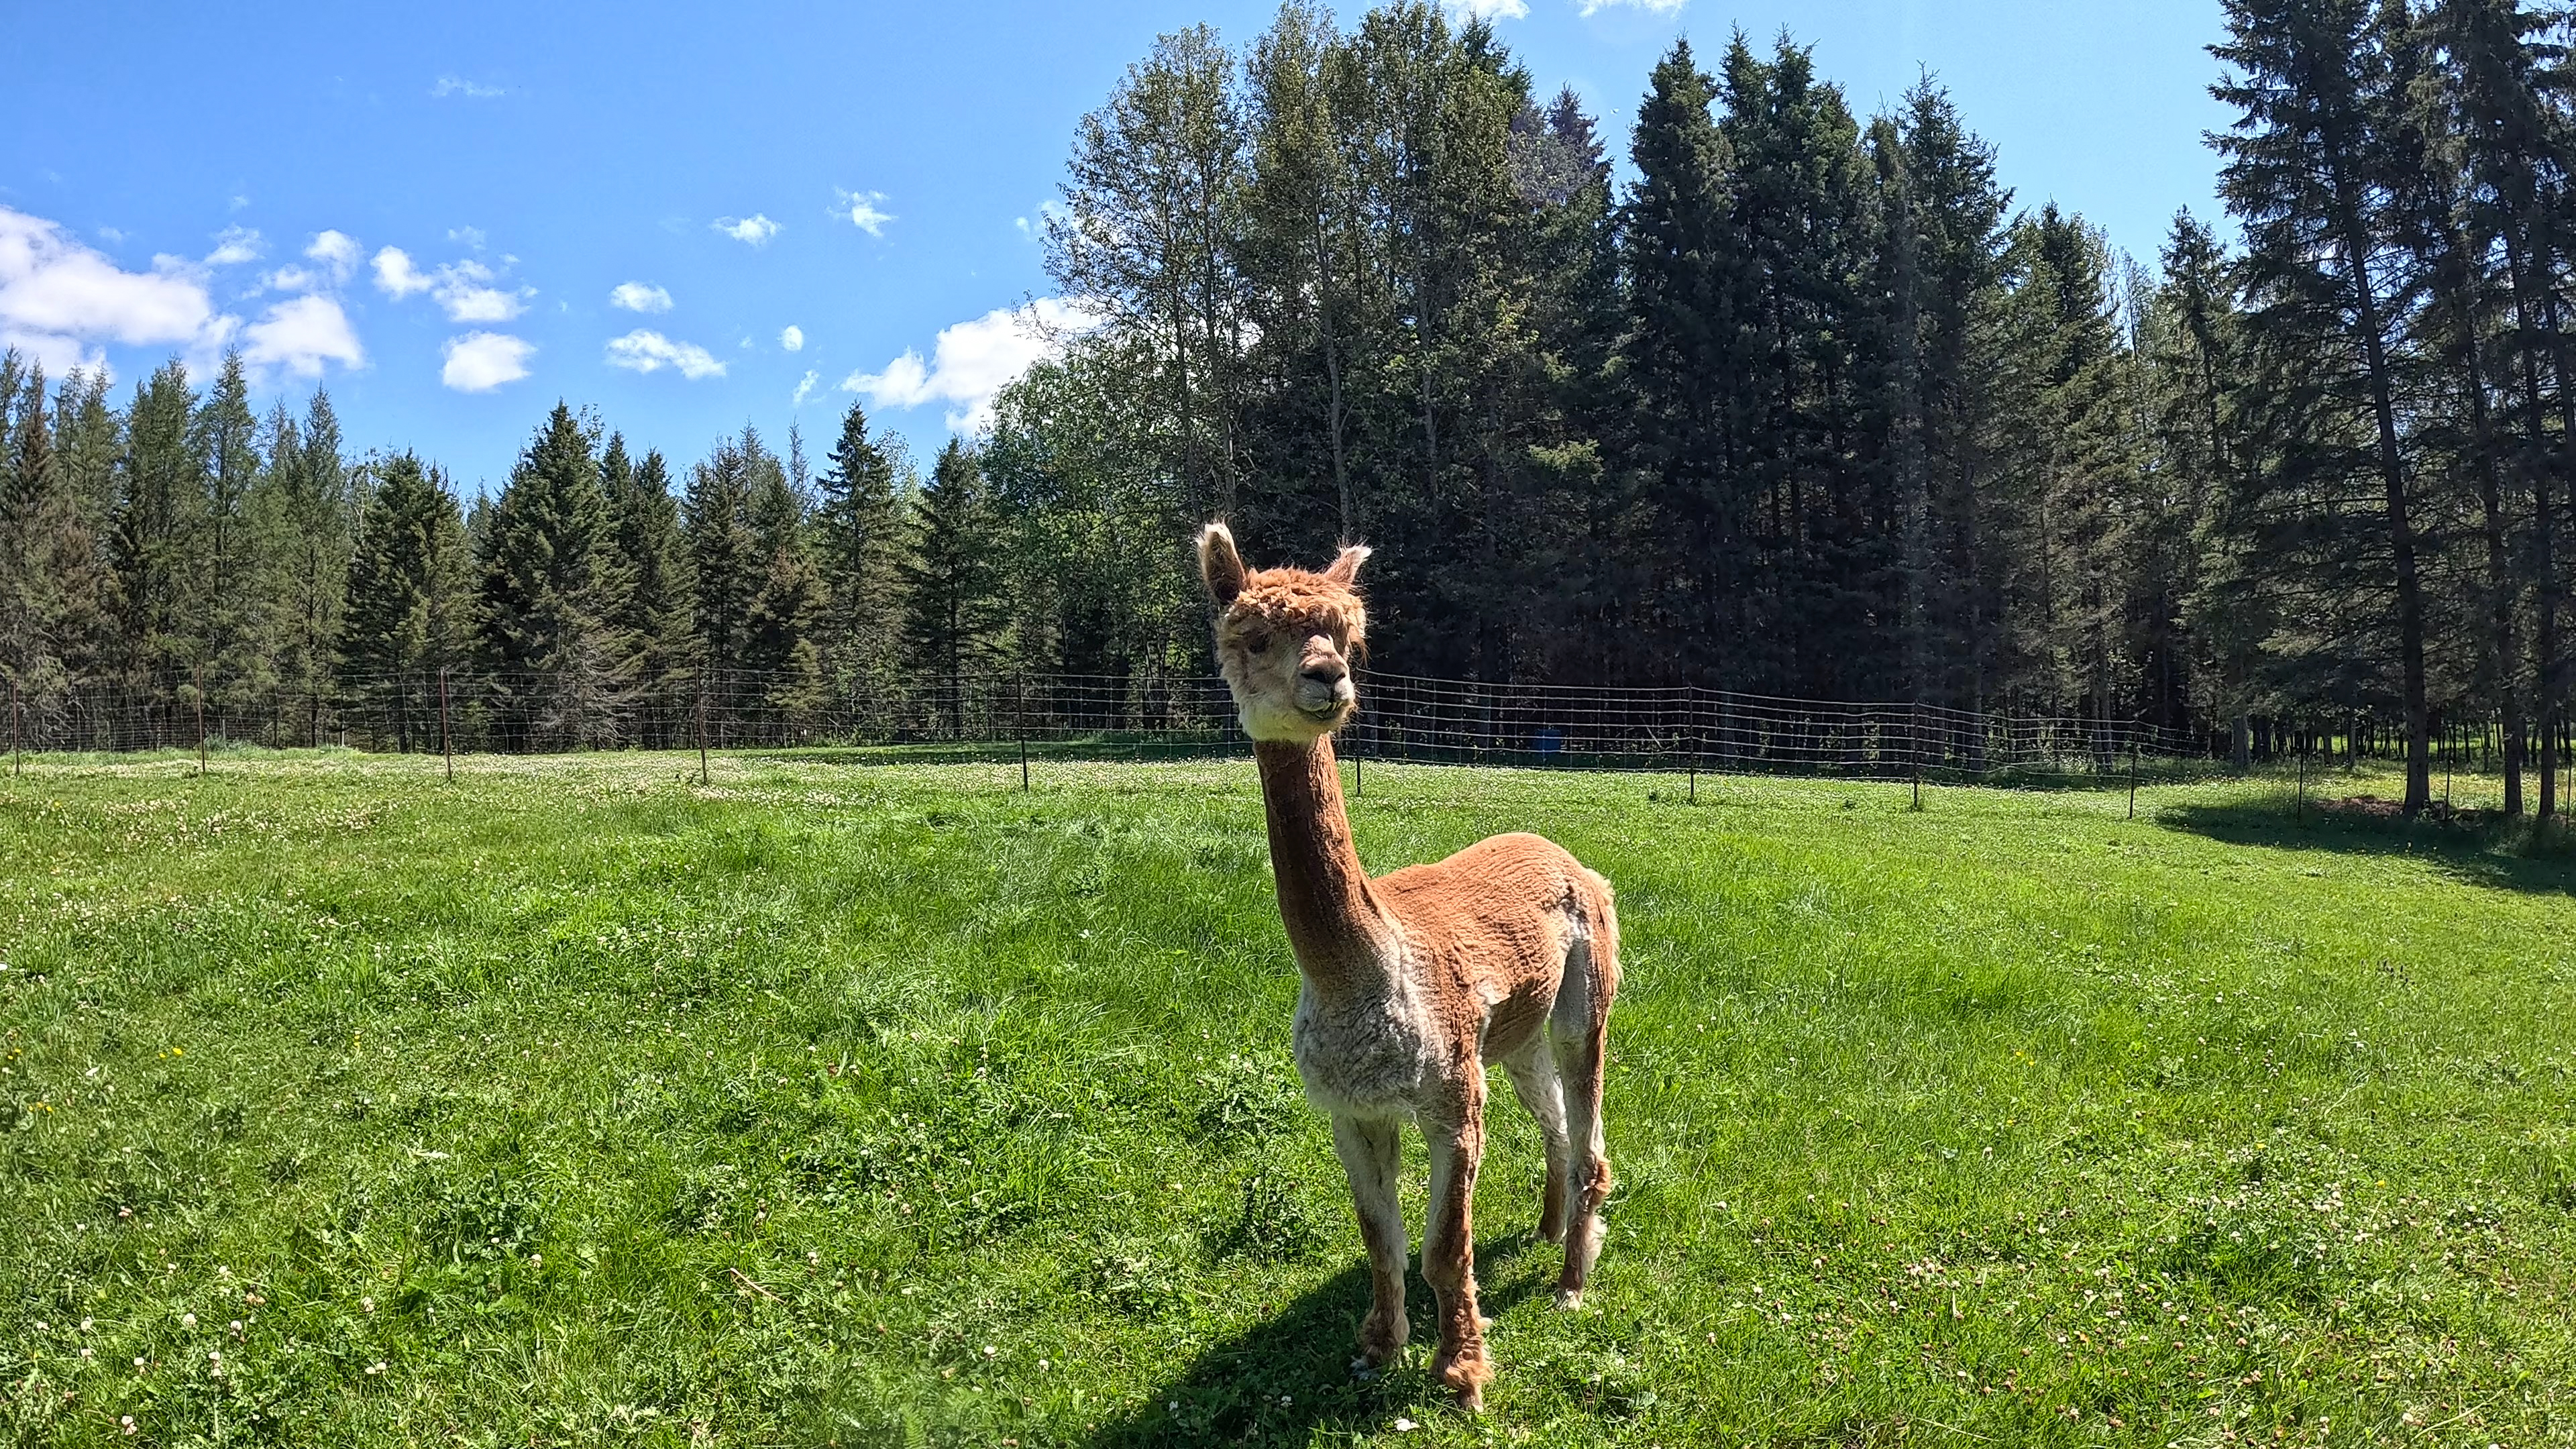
1220, 567
1346, 569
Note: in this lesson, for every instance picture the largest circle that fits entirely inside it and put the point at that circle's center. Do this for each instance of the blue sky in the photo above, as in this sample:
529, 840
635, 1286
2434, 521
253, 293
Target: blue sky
453, 215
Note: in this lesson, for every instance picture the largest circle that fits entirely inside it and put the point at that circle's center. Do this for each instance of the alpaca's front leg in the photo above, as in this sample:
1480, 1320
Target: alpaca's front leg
1449, 1253
1370, 1152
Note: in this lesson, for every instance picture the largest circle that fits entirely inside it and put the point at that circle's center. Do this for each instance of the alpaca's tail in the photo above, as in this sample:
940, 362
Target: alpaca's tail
1601, 917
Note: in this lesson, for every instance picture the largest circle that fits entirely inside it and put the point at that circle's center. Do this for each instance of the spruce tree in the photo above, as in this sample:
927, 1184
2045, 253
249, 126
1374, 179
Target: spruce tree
656, 611
159, 498
399, 623
860, 537
553, 587
727, 567
49, 579
2307, 170
955, 599
1683, 363
232, 546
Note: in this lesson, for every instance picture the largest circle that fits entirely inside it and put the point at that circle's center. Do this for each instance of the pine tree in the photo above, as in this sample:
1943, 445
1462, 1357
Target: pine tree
2307, 169
1683, 364
553, 587
2502, 99
726, 563
49, 580
308, 500
954, 587
231, 546
159, 498
400, 626
859, 538
656, 611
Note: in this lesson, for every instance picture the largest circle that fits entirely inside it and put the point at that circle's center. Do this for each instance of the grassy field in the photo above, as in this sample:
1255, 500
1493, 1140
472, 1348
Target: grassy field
842, 1101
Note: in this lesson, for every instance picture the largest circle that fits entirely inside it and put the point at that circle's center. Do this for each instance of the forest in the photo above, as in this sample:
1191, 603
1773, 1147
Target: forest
1804, 403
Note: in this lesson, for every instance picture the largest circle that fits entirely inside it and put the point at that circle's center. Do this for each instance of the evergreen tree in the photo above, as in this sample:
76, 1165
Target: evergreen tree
2307, 169
955, 598
727, 564
656, 605
159, 498
553, 587
401, 626
49, 581
230, 551
1683, 367
309, 500
859, 538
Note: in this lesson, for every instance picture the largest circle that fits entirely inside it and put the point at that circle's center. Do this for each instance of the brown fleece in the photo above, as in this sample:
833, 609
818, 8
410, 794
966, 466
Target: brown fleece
1506, 951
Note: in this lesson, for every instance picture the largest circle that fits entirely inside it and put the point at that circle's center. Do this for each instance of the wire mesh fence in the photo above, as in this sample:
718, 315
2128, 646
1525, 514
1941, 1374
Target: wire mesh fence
1402, 718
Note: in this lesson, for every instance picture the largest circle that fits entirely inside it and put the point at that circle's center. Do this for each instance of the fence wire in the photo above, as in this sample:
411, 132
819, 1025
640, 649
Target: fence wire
1402, 717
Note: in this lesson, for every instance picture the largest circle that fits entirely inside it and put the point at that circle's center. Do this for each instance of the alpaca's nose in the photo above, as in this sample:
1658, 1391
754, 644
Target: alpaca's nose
1327, 672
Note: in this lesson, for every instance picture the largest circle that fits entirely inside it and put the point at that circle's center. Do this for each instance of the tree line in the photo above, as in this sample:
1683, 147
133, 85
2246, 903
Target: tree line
184, 552
1806, 407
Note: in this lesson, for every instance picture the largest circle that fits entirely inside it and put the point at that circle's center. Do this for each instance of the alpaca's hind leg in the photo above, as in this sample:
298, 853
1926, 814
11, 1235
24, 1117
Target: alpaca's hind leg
1370, 1151
1579, 1036
1449, 1254
1534, 1081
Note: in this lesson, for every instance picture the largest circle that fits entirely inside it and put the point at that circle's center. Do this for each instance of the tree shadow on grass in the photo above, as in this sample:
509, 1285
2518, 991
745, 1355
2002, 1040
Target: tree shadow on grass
2479, 847
1284, 1378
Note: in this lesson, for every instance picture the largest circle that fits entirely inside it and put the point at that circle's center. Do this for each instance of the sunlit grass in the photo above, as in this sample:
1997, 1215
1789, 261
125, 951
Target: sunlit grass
841, 1100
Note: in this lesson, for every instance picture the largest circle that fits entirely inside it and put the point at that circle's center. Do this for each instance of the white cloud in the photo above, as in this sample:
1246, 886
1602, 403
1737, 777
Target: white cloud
482, 361
302, 334
792, 338
292, 278
1497, 9
644, 350
236, 245
449, 85
974, 360
639, 297
805, 389
471, 236
464, 289
59, 299
755, 228
112, 235
860, 209
465, 292
396, 277
1652, 7
337, 250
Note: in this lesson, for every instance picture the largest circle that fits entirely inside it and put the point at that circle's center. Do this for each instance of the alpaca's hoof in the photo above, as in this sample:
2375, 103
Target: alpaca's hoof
1569, 1299
1466, 1376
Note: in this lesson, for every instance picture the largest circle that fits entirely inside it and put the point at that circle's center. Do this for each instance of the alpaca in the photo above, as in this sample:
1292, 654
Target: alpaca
1508, 951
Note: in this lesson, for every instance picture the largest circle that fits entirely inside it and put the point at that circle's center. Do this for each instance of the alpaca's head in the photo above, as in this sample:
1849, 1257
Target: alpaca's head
1284, 638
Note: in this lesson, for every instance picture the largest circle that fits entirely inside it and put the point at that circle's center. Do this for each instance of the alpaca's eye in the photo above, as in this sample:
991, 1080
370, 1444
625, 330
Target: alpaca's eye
1257, 642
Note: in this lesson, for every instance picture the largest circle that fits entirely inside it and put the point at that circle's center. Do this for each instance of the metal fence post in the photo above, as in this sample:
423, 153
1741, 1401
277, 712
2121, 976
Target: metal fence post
17, 758
201, 719
2133, 771
702, 727
446, 746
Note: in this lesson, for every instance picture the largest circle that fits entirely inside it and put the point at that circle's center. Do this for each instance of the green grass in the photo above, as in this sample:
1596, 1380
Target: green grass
849, 1101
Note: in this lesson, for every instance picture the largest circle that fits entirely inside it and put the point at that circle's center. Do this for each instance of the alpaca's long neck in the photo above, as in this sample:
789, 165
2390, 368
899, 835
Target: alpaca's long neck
1335, 924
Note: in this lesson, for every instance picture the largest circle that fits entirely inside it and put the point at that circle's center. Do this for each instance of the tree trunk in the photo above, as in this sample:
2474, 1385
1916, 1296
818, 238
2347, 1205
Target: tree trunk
2401, 531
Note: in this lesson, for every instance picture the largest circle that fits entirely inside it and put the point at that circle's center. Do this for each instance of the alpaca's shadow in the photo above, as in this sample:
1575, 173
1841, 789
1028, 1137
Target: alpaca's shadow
1289, 1375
